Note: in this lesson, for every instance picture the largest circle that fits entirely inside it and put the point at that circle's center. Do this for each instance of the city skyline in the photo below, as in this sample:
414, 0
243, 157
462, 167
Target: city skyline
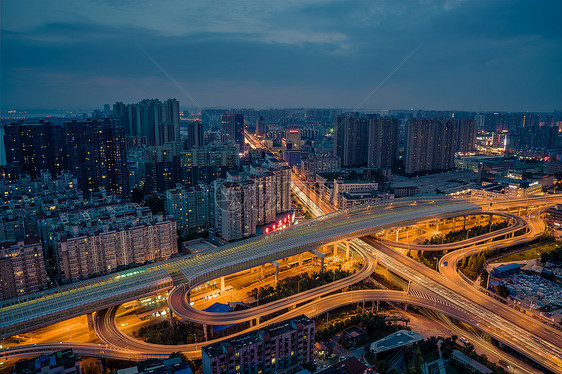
443, 55
216, 187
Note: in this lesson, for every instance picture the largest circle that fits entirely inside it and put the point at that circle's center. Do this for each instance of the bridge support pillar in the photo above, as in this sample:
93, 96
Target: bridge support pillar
464, 223
222, 284
347, 250
90, 322
205, 332
171, 317
300, 259
321, 256
396, 236
335, 250
262, 271
276, 265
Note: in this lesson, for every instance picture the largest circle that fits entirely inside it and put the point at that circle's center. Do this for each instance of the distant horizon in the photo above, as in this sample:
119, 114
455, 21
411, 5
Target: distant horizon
80, 111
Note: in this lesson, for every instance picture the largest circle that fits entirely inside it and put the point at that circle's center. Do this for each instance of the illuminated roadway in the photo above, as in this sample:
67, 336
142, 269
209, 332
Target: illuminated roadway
123, 345
52, 305
519, 223
457, 307
365, 221
524, 334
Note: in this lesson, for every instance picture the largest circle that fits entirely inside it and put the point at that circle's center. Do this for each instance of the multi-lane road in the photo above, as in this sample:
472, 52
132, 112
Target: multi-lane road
527, 335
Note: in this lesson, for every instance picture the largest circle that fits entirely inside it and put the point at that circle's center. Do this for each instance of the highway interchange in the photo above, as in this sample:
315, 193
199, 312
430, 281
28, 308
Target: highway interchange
454, 296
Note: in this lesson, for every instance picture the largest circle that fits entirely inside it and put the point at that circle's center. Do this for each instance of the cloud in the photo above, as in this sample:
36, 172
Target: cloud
500, 55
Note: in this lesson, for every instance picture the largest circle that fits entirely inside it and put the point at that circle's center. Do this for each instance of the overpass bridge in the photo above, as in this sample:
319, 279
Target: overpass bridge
43, 308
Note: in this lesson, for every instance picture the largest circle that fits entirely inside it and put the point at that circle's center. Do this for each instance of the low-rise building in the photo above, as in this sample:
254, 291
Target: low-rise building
469, 363
505, 270
349, 199
346, 193
277, 348
507, 189
61, 362
169, 366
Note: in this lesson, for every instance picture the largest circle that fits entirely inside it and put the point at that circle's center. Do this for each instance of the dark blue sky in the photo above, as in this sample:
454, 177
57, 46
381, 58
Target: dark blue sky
454, 54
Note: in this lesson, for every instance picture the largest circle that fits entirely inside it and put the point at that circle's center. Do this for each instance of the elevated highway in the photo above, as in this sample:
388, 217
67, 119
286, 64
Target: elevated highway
521, 332
107, 329
334, 227
178, 302
518, 223
31, 311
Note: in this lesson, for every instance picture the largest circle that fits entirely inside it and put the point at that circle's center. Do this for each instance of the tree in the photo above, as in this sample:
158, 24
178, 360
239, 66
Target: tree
184, 358
92, 368
179, 354
502, 291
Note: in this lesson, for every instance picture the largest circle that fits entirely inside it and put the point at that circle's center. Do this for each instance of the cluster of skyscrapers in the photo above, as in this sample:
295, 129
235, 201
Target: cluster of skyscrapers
237, 204
152, 122
66, 212
93, 151
374, 141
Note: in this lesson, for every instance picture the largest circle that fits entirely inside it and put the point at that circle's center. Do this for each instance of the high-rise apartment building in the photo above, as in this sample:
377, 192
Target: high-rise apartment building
525, 138
136, 166
251, 198
233, 129
366, 141
190, 206
152, 121
235, 202
195, 135
277, 348
260, 126
162, 166
207, 163
431, 144
95, 153
22, 268
351, 136
467, 135
32, 147
383, 142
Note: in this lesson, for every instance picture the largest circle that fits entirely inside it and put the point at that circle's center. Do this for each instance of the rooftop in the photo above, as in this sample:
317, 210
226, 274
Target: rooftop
231, 345
395, 340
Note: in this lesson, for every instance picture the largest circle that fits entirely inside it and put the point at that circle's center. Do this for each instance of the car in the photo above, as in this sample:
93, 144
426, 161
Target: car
463, 339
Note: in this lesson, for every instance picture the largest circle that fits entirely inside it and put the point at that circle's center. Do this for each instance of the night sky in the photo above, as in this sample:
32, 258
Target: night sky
444, 55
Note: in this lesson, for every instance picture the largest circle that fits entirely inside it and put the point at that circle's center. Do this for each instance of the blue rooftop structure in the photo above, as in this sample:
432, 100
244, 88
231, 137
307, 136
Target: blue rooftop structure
505, 270
219, 308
